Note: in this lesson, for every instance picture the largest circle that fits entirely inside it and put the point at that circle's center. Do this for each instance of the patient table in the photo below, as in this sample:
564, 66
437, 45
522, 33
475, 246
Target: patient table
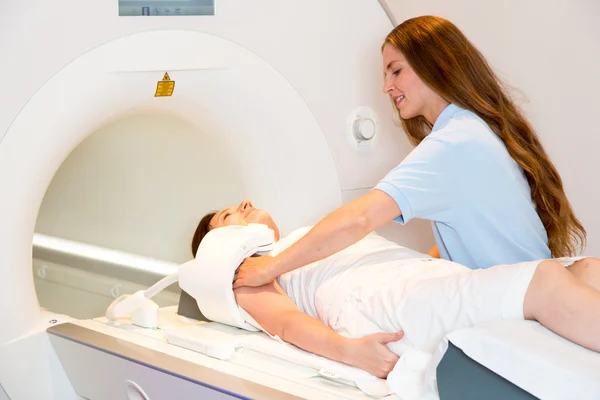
182, 367
498, 360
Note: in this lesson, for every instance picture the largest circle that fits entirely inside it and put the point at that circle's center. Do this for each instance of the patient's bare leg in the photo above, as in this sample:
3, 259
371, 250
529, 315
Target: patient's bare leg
564, 304
587, 270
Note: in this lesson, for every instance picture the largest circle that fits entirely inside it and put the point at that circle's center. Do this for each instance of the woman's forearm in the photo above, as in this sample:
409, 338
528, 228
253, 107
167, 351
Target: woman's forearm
369, 353
270, 306
275, 311
335, 232
314, 336
338, 230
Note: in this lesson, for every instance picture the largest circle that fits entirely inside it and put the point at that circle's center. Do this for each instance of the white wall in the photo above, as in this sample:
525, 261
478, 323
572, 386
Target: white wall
140, 185
550, 51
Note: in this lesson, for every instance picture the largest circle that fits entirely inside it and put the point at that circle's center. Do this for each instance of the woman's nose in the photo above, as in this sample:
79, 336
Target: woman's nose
388, 83
387, 87
245, 204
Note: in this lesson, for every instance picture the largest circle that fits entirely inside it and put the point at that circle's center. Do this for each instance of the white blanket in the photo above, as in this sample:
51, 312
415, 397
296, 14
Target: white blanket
378, 286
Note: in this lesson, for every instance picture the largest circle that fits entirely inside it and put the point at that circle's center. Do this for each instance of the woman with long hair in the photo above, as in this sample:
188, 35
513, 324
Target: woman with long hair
478, 170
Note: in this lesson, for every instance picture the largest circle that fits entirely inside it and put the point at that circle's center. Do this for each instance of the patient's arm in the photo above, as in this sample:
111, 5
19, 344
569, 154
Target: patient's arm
271, 307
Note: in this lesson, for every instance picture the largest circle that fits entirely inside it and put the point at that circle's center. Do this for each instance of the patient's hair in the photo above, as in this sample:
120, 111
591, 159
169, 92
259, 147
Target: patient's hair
450, 65
201, 231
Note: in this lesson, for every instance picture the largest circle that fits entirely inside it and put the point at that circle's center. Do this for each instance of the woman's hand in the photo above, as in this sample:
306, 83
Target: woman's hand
371, 354
255, 271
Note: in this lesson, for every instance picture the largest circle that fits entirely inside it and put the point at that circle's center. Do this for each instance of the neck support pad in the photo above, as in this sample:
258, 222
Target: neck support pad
209, 277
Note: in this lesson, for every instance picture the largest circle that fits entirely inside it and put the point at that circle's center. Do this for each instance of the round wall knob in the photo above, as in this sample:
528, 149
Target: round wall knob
364, 128
362, 125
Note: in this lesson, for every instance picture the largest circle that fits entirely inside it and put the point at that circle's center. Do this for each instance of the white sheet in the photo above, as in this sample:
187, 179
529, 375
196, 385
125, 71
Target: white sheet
533, 358
377, 286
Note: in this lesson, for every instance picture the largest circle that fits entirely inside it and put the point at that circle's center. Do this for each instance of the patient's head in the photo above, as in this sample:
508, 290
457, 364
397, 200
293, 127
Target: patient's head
242, 214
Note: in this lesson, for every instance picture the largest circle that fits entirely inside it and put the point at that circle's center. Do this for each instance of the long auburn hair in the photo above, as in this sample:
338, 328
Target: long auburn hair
450, 65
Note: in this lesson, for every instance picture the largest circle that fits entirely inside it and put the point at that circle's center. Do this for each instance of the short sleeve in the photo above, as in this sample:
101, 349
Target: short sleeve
422, 184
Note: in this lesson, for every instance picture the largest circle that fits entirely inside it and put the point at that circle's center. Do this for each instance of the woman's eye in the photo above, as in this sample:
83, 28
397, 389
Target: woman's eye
397, 72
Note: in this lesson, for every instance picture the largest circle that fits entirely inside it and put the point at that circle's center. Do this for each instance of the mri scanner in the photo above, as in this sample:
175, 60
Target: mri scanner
277, 82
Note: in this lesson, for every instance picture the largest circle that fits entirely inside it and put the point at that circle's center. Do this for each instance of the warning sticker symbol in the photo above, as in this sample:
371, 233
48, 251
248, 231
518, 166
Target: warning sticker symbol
165, 87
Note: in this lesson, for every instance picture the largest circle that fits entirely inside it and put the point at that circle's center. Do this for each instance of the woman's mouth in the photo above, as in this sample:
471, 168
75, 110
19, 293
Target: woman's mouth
398, 99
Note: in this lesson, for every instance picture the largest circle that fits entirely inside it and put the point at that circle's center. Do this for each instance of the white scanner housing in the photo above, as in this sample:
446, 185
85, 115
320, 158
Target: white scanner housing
291, 89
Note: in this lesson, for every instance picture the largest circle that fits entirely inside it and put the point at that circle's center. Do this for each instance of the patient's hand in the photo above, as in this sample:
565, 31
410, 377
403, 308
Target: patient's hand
371, 354
255, 271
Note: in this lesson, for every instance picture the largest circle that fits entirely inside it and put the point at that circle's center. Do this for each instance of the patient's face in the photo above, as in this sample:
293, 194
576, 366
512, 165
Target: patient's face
243, 214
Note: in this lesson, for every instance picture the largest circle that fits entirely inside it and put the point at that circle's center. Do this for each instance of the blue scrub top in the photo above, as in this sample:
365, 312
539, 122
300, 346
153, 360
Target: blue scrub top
463, 179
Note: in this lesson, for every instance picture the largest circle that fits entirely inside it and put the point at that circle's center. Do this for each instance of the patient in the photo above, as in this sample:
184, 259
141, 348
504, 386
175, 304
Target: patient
373, 301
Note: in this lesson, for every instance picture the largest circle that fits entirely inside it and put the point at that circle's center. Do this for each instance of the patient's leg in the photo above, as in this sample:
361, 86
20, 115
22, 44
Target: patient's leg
564, 304
587, 270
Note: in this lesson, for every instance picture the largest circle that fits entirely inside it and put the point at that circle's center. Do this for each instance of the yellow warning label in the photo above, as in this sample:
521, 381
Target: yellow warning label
165, 87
